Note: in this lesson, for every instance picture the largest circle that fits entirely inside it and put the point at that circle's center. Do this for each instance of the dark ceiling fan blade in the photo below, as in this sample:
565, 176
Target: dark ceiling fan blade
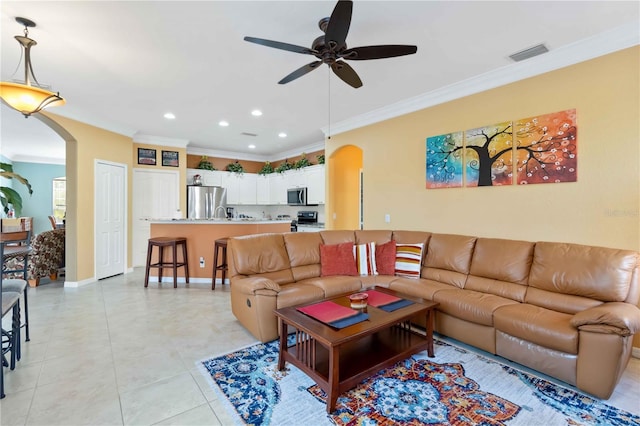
378, 52
280, 45
338, 25
300, 72
346, 74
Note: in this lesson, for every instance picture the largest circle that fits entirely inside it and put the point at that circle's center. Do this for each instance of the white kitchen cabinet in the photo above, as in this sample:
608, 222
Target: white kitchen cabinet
263, 189
246, 188
314, 178
296, 178
209, 177
278, 188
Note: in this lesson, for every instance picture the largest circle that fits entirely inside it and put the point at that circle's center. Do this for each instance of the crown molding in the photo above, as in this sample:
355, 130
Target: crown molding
22, 158
159, 140
619, 38
255, 157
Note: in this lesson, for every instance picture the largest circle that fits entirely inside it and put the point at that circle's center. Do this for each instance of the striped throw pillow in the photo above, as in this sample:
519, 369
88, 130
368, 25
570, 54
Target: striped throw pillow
408, 260
365, 255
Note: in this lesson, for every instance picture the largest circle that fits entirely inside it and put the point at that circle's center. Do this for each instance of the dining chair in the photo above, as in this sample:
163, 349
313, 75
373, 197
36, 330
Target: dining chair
9, 301
52, 219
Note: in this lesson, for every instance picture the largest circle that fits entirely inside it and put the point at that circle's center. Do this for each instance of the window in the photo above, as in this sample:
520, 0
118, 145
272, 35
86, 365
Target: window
60, 197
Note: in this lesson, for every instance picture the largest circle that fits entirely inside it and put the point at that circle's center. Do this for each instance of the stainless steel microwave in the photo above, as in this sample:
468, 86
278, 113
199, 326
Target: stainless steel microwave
297, 196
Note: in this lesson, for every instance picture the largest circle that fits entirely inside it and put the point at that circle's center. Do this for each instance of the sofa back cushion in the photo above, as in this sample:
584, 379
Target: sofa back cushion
373, 236
599, 273
261, 254
412, 237
303, 249
448, 258
500, 267
338, 237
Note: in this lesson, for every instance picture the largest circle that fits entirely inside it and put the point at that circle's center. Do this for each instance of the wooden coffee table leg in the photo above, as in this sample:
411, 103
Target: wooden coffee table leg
430, 321
334, 378
283, 344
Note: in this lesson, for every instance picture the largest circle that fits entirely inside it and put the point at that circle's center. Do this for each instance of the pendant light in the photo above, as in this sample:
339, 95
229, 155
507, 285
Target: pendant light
28, 97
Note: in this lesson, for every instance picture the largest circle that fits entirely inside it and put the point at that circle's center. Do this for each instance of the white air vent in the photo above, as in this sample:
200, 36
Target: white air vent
248, 134
529, 53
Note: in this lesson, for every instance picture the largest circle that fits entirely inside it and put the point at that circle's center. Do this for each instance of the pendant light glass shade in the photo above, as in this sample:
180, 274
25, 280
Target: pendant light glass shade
25, 97
28, 99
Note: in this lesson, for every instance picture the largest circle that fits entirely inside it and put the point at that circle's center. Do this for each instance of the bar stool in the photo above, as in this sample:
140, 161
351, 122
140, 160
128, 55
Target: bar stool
219, 246
161, 243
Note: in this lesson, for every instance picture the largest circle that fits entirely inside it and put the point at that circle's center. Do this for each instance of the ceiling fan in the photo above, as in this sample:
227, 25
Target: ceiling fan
331, 48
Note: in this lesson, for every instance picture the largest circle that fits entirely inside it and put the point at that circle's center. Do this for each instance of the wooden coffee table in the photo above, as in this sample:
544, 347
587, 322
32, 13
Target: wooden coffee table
337, 360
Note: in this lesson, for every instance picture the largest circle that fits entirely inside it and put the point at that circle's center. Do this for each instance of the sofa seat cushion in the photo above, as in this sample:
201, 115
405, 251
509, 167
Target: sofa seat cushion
378, 280
418, 288
472, 306
334, 285
298, 294
538, 325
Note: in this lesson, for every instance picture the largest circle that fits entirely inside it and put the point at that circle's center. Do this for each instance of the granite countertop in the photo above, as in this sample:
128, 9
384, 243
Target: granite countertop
216, 221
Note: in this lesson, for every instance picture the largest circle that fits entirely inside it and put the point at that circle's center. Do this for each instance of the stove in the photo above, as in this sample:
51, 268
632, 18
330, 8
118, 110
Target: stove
307, 217
307, 221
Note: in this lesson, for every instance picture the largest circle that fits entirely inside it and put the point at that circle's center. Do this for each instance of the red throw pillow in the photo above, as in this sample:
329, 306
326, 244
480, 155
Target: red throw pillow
337, 259
386, 258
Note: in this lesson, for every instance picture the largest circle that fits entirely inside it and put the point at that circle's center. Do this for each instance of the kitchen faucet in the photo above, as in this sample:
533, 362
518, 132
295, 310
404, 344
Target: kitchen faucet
224, 211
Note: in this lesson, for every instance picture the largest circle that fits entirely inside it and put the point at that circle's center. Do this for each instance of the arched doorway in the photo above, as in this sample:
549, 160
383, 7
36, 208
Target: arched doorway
345, 188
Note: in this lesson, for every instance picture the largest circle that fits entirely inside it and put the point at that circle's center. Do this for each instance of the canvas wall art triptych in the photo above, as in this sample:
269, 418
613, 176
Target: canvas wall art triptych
540, 149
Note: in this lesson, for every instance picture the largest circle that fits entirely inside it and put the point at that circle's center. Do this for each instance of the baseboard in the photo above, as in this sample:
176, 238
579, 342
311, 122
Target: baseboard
75, 284
635, 352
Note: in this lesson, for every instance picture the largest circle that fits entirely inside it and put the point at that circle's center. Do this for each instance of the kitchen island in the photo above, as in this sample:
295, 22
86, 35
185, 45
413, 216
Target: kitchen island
200, 235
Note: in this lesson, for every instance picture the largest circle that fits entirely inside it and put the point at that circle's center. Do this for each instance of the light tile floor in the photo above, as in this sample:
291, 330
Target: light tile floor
115, 353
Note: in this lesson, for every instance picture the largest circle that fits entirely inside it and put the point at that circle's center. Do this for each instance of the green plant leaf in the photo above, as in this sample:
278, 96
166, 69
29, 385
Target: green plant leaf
10, 196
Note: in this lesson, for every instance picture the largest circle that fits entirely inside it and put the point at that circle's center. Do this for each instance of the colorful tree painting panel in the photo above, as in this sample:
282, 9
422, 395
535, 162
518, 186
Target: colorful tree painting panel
488, 155
444, 161
547, 148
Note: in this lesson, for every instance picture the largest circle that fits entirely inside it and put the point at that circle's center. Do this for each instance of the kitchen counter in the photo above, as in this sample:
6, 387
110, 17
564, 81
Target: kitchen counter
218, 221
201, 234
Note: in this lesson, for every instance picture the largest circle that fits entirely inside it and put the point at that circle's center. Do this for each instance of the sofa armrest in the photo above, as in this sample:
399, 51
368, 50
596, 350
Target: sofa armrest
613, 317
252, 285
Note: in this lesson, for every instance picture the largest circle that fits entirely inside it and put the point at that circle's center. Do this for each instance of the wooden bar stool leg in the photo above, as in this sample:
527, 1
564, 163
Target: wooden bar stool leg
146, 272
174, 249
224, 264
215, 266
160, 261
186, 261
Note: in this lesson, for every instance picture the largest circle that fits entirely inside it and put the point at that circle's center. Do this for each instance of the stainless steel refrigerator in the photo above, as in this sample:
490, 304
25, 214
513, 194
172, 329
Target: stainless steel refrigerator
206, 202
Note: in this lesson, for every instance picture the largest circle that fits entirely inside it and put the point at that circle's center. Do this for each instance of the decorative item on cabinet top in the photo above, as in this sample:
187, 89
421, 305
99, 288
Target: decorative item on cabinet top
266, 169
205, 164
235, 167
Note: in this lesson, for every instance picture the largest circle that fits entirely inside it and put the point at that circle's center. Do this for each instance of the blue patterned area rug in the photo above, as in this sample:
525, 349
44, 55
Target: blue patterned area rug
457, 387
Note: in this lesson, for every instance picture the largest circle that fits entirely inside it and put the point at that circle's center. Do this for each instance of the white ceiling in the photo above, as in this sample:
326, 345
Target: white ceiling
121, 65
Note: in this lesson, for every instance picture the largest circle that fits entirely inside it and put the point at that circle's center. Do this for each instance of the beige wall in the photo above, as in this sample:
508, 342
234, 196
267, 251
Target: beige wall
84, 145
601, 208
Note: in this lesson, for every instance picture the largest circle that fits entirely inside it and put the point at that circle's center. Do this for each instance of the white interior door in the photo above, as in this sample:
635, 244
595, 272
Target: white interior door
110, 207
156, 195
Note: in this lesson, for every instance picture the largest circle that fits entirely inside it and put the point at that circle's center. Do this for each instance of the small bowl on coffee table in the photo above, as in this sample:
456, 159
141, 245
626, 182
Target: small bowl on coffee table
358, 300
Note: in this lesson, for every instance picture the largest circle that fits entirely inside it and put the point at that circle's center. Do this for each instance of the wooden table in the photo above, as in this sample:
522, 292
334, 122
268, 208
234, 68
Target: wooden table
339, 359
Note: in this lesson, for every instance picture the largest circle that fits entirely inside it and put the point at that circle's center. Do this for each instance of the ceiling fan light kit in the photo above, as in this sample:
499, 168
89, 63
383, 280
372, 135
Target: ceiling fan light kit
331, 48
25, 97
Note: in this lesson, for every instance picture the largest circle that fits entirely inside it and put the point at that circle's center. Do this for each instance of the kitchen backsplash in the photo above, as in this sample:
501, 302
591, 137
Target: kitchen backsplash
273, 211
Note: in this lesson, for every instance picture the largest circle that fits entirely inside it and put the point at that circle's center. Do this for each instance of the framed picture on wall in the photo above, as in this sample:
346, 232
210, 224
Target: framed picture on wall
147, 156
170, 158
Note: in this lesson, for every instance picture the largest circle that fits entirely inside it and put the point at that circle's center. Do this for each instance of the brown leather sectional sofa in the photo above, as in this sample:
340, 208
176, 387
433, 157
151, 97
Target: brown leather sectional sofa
567, 310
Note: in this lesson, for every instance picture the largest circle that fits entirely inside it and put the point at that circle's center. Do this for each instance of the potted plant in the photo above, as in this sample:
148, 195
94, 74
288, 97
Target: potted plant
302, 162
266, 169
235, 167
205, 164
9, 196
283, 167
320, 158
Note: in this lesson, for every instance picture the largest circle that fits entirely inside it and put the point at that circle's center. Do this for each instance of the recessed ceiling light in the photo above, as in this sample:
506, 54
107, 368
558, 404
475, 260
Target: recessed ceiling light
282, 134
169, 116
223, 123
256, 113
252, 146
